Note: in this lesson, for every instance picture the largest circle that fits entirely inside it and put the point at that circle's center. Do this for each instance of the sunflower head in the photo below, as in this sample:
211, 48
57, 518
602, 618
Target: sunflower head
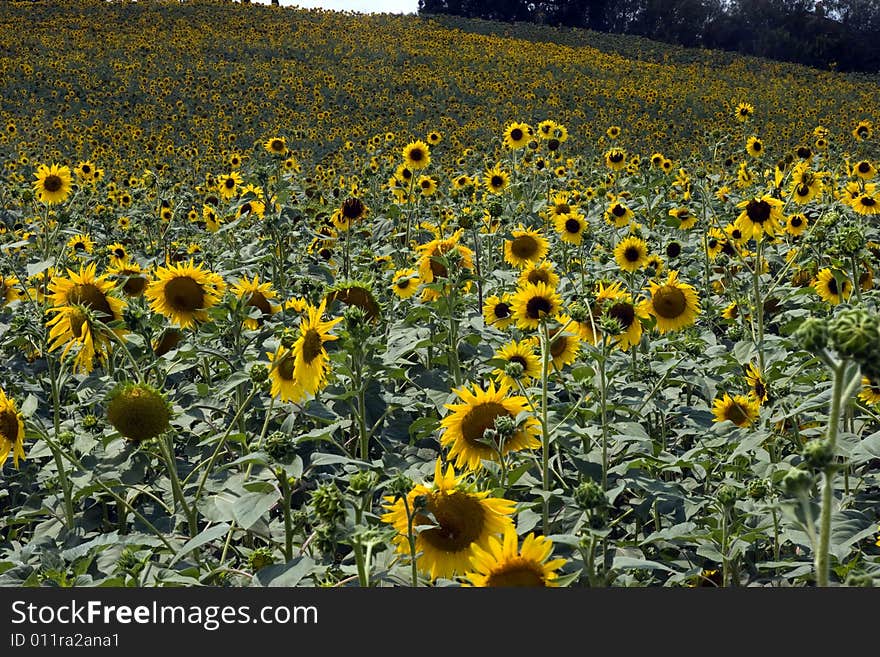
739, 409
504, 564
138, 411
11, 431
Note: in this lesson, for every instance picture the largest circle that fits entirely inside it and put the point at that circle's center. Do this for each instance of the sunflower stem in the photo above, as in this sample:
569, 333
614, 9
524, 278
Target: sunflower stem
59, 463
288, 521
176, 490
855, 273
759, 304
545, 428
603, 405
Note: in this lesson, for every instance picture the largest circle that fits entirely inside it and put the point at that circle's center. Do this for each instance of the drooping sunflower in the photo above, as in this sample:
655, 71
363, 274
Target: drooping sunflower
131, 276
504, 564
571, 227
463, 428
256, 295
496, 179
760, 216
138, 411
184, 292
457, 519
11, 431
866, 204
311, 365
870, 392
517, 135
829, 289
618, 214
564, 347
53, 184
673, 304
533, 303
526, 247
498, 311
285, 386
739, 409
755, 147
416, 155
757, 384
523, 353
631, 254
541, 272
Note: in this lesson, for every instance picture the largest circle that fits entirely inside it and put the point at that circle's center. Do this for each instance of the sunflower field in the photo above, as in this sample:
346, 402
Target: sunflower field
302, 298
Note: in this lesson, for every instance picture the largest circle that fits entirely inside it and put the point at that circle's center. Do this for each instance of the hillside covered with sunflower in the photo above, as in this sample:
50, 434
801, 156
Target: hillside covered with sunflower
306, 298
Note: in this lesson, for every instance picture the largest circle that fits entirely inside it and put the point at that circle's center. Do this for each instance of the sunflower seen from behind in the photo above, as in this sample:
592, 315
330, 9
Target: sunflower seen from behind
452, 519
503, 563
477, 411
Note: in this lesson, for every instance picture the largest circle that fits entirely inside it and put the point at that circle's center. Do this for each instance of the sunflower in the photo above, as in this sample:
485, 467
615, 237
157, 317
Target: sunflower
227, 185
416, 155
432, 255
434, 138
455, 518
496, 179
546, 128
498, 311
11, 431
866, 204
539, 273
805, 184
534, 302
715, 242
612, 132
564, 348
618, 214
132, 277
571, 227
615, 159
285, 386
311, 365
527, 246
870, 392
629, 316
686, 219
631, 254
184, 292
80, 244
755, 147
517, 135
256, 295
830, 289
740, 410
864, 170
796, 224
863, 130
118, 254
8, 290
744, 112
53, 184
405, 283
85, 171
759, 216
138, 411
276, 146
463, 428
674, 304
504, 564
757, 384
252, 207
427, 185
522, 353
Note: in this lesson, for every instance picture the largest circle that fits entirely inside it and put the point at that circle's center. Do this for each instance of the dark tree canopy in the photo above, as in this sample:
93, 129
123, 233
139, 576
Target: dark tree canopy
840, 34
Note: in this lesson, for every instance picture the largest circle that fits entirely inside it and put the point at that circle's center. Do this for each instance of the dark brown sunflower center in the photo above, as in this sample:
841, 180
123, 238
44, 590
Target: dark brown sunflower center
615, 157
134, 286
756, 146
803, 190
864, 167
478, 419
9, 426
91, 297
417, 154
713, 243
459, 521
673, 249
404, 283
357, 296
632, 254
516, 134
119, 253
796, 222
519, 359
497, 181
77, 321
669, 302
86, 168
184, 294
736, 414
572, 226
563, 208
501, 310
758, 211
353, 208
760, 389
229, 183
538, 307
868, 201
313, 346
286, 366
52, 183
624, 313
558, 346
524, 247
832, 286
539, 276
618, 210
517, 574
277, 145
257, 300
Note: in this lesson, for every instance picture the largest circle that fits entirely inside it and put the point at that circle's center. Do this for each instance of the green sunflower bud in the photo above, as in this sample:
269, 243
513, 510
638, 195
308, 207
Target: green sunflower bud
280, 447
505, 426
818, 453
260, 558
812, 334
727, 495
850, 240
466, 222
589, 496
797, 482
579, 313
855, 334
400, 486
758, 489
496, 209
138, 411
90, 421
327, 501
259, 372
362, 482
610, 325
514, 370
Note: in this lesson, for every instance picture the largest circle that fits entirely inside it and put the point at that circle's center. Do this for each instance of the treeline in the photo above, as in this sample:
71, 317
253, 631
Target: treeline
838, 34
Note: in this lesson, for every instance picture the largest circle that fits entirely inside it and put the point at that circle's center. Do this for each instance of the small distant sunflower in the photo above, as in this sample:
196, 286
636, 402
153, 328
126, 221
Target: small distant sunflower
564, 348
416, 155
456, 518
571, 227
85, 171
8, 289
184, 292
629, 315
80, 244
533, 303
311, 356
618, 214
805, 185
522, 353
276, 146
11, 431
118, 254
631, 254
542, 272
464, 426
405, 283
863, 130
755, 147
796, 224
673, 304
613, 132
53, 184
504, 564
760, 216
527, 246
496, 179
744, 112
739, 409
432, 253
228, 185
434, 138
256, 295
615, 159
498, 311
427, 185
715, 241
686, 218
517, 135
829, 289
757, 384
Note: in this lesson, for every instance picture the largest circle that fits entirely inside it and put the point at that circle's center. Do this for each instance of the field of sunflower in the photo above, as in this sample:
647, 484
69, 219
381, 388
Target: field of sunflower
303, 298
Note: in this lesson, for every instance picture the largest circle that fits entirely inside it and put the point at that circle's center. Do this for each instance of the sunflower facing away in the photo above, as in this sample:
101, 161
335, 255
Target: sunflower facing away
739, 409
184, 292
829, 289
674, 304
311, 365
463, 428
11, 431
53, 184
455, 519
504, 564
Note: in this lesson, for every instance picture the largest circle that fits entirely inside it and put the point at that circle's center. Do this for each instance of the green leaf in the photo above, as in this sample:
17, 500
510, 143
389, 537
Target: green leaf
289, 574
250, 507
208, 535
